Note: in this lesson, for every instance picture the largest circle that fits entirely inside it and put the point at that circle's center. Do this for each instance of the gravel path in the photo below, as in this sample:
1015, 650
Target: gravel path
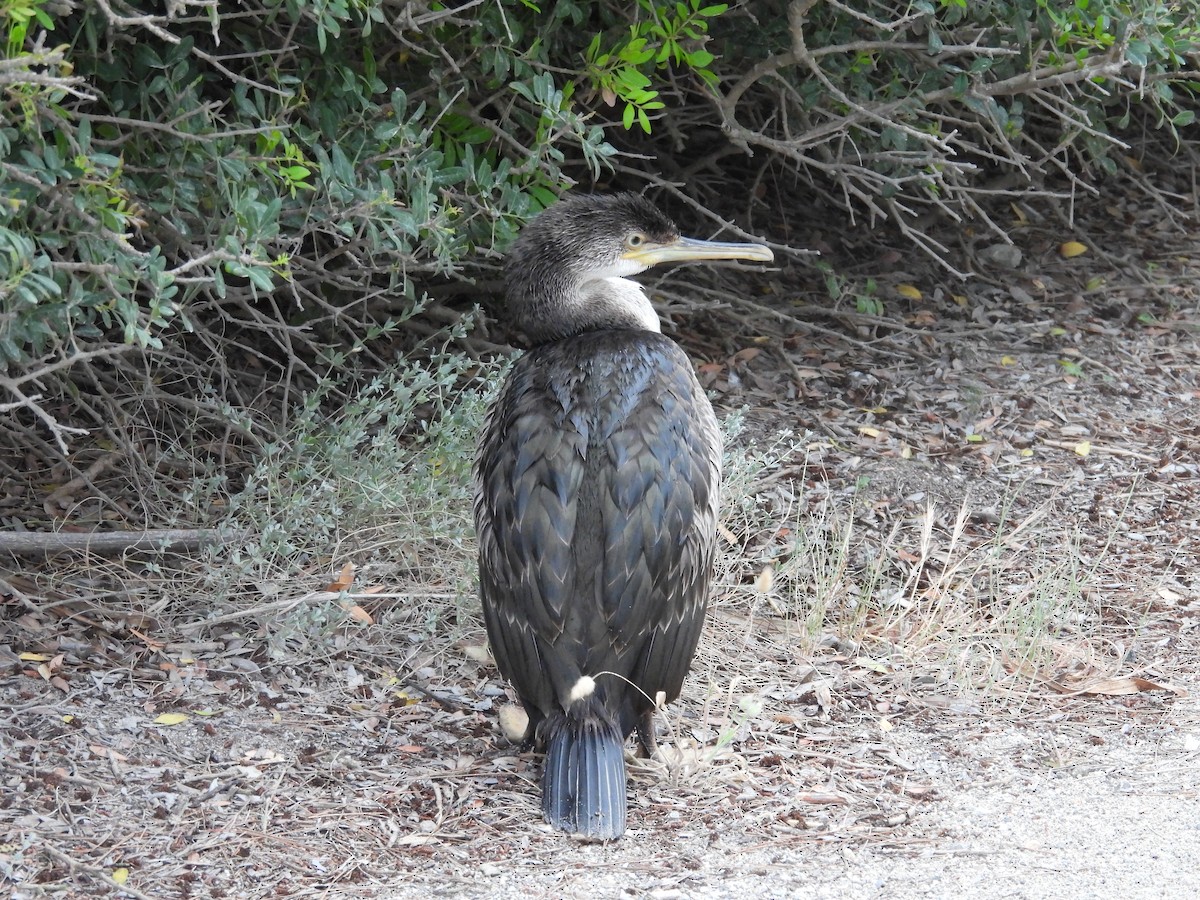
1119, 819
1028, 810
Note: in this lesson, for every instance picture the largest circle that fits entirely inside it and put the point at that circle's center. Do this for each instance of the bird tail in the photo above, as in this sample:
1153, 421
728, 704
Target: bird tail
583, 783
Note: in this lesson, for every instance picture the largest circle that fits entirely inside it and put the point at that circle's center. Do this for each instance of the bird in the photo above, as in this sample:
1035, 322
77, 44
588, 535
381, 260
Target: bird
596, 484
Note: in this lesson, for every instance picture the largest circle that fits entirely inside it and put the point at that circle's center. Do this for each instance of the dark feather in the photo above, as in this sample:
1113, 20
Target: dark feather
596, 546
583, 784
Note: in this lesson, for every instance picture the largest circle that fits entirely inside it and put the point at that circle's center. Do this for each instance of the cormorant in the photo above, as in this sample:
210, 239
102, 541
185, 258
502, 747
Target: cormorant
596, 487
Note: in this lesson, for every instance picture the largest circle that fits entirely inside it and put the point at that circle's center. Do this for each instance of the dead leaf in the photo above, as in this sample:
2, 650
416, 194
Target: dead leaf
1116, 687
261, 756
342, 580
872, 664
909, 291
984, 424
107, 753
151, 643
823, 693
823, 799
358, 614
1071, 249
418, 840
171, 719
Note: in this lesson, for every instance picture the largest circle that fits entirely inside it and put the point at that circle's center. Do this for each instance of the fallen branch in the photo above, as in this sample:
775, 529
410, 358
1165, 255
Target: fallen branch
35, 543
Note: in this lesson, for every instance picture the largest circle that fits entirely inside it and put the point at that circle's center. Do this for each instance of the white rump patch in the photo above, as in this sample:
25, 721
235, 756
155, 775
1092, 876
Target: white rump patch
583, 688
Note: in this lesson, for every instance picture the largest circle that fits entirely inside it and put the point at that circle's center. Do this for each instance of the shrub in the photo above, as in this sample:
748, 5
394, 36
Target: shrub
208, 211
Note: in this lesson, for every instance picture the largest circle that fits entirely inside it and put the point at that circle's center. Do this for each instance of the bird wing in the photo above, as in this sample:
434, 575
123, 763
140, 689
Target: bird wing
596, 492
659, 513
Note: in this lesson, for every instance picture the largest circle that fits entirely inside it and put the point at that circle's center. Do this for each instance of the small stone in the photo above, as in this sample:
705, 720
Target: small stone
1005, 255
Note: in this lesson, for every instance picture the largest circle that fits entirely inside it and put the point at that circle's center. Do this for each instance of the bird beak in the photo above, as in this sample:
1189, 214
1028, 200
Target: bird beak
690, 248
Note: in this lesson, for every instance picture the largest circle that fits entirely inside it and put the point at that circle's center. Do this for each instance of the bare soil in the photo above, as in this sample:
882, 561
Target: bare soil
1055, 402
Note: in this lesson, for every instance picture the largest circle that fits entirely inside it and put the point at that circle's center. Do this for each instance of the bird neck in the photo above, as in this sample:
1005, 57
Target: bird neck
596, 305
621, 299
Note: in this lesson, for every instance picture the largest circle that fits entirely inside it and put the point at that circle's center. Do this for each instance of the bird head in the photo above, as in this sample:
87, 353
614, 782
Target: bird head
565, 272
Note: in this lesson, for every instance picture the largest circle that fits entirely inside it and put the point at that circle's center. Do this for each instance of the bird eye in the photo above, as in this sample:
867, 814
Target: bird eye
635, 240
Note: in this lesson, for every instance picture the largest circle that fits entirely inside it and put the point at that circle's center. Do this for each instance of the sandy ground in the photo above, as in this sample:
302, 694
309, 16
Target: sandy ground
1119, 818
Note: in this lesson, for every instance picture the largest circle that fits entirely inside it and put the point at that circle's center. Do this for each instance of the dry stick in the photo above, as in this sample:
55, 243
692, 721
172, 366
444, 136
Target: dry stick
880, 345
45, 543
53, 775
83, 479
1103, 448
1071, 73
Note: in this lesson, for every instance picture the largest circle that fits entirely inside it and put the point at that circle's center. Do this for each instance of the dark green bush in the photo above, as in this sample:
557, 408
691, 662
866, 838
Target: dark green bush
268, 190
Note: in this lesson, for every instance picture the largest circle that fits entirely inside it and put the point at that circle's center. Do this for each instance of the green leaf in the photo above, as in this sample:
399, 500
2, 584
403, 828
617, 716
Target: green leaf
477, 134
543, 197
1137, 52
260, 277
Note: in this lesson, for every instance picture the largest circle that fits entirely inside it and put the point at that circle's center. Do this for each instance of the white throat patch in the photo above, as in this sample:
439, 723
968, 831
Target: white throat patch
631, 297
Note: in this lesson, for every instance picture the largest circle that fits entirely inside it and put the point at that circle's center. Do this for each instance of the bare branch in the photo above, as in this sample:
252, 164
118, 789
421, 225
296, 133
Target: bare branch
105, 542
